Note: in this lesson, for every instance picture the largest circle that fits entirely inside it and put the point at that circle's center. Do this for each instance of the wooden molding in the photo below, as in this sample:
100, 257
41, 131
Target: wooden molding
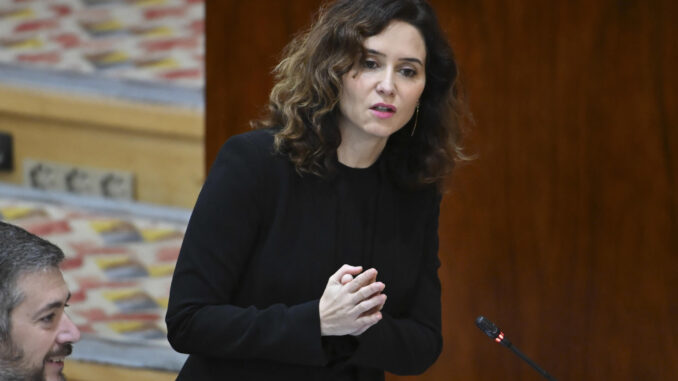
103, 112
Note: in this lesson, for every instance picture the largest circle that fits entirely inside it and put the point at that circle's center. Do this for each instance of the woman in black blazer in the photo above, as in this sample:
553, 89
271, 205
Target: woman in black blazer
347, 167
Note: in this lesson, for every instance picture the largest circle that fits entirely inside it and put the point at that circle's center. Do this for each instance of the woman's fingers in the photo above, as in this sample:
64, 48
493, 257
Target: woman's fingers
365, 278
369, 318
344, 270
368, 291
351, 302
372, 304
346, 278
367, 321
374, 309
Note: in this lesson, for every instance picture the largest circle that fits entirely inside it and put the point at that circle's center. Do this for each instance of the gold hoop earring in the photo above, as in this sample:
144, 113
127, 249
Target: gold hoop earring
416, 118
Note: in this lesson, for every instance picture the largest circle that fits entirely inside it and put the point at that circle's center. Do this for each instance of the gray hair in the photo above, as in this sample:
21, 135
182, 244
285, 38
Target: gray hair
20, 253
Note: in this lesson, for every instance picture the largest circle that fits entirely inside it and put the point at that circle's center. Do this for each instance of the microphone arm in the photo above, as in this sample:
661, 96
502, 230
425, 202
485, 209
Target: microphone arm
497, 335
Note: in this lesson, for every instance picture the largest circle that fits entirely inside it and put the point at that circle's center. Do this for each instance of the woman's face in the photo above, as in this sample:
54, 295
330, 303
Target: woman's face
380, 94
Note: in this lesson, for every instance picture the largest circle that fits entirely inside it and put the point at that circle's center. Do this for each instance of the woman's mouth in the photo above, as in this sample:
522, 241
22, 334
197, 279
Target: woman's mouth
382, 110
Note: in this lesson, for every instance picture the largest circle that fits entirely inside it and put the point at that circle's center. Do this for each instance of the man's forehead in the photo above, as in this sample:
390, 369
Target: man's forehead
42, 287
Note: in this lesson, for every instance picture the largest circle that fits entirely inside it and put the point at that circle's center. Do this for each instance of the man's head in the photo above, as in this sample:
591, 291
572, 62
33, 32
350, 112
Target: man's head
35, 332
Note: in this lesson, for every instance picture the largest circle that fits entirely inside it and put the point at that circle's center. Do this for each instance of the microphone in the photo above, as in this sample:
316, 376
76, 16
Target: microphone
497, 335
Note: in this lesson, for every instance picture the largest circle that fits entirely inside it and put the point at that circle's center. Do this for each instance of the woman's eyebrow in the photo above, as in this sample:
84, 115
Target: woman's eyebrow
413, 60
376, 52
408, 59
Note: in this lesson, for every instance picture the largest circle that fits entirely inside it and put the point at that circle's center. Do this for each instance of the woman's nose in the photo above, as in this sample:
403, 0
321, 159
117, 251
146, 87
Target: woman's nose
386, 85
68, 332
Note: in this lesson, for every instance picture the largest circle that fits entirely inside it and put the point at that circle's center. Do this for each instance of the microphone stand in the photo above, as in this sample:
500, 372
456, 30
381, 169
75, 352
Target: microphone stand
497, 335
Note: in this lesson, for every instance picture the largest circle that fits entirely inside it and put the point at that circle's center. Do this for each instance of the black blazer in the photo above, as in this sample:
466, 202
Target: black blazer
258, 251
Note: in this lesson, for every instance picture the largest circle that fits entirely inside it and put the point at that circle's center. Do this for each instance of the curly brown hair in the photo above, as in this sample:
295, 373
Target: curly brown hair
303, 105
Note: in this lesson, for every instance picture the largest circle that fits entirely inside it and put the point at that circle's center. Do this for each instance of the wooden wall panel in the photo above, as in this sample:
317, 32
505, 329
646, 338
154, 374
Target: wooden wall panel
244, 43
564, 231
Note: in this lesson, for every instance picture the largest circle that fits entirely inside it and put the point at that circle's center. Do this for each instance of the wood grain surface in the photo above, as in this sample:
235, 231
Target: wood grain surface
564, 230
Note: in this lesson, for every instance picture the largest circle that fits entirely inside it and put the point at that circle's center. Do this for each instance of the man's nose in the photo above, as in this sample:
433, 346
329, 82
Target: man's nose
68, 332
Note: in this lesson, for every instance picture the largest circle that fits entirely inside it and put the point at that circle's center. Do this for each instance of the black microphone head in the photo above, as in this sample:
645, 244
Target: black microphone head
488, 327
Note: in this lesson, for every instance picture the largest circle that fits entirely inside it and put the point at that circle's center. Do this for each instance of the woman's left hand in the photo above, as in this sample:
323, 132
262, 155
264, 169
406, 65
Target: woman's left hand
351, 308
348, 278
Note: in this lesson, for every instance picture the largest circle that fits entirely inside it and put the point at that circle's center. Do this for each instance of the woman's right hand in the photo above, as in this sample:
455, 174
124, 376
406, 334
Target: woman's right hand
350, 308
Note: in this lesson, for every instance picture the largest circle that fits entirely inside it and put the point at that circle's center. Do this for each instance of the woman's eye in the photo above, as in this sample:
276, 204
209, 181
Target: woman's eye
370, 64
407, 72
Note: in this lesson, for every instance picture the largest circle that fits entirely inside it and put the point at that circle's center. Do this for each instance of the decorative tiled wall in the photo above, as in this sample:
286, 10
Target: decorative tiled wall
155, 41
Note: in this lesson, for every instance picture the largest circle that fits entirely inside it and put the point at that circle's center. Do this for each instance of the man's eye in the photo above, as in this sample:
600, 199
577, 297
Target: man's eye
48, 319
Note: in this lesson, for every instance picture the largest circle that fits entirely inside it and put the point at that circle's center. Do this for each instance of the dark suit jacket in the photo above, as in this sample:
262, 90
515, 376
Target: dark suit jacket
258, 251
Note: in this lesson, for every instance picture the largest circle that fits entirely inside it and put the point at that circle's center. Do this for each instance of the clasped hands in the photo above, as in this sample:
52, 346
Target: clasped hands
352, 302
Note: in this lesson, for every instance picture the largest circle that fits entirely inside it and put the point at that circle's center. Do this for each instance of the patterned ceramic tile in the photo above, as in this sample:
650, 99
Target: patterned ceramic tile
156, 41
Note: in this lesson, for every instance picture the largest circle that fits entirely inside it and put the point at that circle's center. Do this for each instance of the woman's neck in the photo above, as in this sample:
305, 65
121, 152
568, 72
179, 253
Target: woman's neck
360, 153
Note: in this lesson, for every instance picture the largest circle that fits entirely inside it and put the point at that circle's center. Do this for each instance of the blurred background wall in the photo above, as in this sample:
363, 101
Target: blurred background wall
102, 135
94, 90
564, 230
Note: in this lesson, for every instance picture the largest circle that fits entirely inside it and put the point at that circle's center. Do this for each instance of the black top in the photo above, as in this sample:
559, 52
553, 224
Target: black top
259, 248
357, 194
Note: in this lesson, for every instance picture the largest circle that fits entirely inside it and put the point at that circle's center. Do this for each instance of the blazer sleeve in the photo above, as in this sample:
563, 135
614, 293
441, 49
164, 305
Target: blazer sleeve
411, 343
221, 234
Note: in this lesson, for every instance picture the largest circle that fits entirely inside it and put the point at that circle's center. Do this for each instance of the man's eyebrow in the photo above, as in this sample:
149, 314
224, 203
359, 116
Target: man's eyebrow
408, 59
53, 305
